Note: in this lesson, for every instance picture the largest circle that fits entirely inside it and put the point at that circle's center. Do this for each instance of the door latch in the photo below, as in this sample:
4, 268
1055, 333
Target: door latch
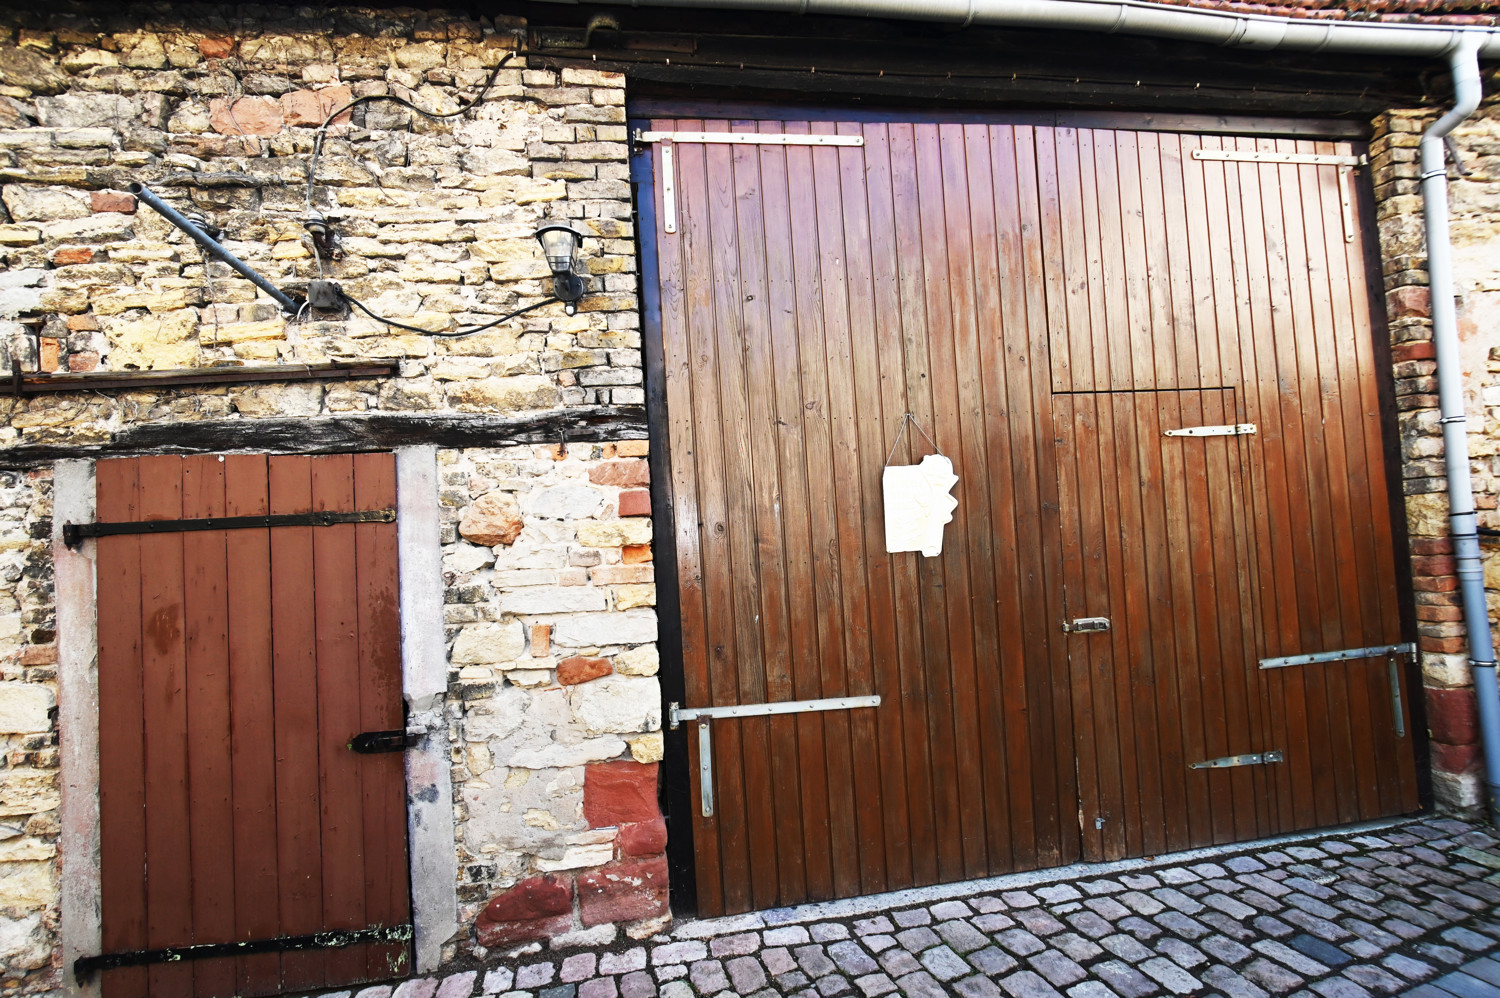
375, 742
1086, 625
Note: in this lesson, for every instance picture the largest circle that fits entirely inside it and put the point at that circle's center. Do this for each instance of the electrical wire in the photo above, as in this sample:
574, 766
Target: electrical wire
312, 169
457, 332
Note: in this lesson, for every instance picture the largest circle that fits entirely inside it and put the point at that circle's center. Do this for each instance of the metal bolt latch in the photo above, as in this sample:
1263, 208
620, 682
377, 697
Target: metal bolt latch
1086, 625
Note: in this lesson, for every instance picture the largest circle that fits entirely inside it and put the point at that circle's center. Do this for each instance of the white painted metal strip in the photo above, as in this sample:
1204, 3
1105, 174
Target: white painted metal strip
1231, 430
668, 189
705, 768
1342, 655
1291, 158
752, 138
780, 707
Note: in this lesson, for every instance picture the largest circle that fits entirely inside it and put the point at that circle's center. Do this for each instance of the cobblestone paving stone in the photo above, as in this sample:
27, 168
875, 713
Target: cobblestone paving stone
1408, 908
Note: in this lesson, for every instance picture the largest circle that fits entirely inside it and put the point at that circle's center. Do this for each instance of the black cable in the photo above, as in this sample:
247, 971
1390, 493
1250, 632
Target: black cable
312, 168
457, 332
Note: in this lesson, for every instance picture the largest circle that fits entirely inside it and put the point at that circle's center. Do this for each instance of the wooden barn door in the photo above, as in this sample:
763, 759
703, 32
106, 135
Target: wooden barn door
235, 666
1020, 289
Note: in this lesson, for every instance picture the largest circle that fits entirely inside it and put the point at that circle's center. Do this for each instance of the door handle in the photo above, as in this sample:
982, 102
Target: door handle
1085, 625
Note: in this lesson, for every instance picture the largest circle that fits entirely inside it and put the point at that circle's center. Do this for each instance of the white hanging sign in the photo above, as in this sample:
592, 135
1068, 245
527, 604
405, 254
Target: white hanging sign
917, 501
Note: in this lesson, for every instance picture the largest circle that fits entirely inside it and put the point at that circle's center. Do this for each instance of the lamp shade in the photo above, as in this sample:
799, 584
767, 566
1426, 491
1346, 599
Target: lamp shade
560, 245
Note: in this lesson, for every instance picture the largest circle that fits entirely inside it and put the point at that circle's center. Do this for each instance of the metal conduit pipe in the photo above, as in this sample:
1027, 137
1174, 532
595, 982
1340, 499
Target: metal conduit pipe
1462, 47
1464, 525
213, 246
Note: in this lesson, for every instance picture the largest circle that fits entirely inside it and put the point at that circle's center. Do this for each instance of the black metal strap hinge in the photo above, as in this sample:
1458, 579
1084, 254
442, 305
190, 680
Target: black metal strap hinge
375, 742
75, 532
86, 966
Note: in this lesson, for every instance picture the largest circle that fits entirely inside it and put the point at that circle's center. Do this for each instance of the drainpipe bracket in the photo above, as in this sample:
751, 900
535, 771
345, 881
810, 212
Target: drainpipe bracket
1481, 665
1453, 419
1435, 173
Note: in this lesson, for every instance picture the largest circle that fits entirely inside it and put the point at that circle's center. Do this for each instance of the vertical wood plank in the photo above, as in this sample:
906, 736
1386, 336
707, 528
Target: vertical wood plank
295, 677
209, 755
122, 761
252, 722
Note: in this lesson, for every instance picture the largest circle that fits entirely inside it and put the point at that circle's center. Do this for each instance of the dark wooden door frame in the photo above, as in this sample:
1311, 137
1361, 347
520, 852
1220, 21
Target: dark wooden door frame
676, 797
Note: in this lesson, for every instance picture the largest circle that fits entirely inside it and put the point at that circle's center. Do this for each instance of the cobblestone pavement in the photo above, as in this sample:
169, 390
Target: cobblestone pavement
1409, 908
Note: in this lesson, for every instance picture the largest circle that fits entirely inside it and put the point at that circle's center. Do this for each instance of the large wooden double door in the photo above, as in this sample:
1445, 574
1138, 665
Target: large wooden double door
1047, 302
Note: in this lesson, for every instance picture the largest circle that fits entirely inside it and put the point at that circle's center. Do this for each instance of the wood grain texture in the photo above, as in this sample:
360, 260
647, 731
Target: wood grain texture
1046, 300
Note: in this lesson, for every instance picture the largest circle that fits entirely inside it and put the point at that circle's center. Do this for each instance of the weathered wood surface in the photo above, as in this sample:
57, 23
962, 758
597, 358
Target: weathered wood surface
331, 435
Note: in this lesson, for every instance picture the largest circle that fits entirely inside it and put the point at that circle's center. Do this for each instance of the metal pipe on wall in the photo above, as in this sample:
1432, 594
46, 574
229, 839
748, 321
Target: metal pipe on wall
213, 246
1464, 524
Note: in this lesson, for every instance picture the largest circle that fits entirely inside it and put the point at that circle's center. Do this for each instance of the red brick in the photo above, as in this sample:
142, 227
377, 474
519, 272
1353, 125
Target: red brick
39, 655
51, 351
493, 934
1453, 716
1415, 350
537, 897
541, 640
1409, 301
626, 473
85, 323
245, 115
86, 360
643, 838
1446, 646
72, 254
572, 671
624, 891
1431, 545
635, 502
634, 554
1445, 584
216, 48
1454, 758
112, 201
617, 793
1434, 565
1445, 613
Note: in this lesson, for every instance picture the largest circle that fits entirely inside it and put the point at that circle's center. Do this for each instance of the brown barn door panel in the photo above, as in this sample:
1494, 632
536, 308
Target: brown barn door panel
1157, 613
810, 296
234, 668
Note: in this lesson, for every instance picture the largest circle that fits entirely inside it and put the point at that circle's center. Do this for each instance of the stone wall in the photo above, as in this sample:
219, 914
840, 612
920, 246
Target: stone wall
554, 706
1475, 203
29, 767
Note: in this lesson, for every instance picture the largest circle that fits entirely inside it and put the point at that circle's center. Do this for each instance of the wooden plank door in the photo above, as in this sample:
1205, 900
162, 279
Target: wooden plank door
809, 297
234, 667
1155, 542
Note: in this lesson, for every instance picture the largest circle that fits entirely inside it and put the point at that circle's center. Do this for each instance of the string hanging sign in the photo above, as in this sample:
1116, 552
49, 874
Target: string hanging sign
917, 499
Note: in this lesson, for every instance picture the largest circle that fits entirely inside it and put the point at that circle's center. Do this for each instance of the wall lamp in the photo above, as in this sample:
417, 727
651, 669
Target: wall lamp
560, 244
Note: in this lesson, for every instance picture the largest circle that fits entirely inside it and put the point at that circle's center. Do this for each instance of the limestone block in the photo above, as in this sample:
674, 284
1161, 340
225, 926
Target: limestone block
96, 228
24, 707
554, 599
580, 857
19, 235
44, 204
597, 630
1427, 514
467, 558
24, 943
649, 747
279, 400
26, 69
561, 756
627, 597
563, 502
153, 342
492, 519
618, 704
497, 809
615, 533
641, 661
27, 791
500, 395
486, 644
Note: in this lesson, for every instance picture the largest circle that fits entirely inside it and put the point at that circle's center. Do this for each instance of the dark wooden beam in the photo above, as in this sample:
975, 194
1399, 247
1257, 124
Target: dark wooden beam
377, 432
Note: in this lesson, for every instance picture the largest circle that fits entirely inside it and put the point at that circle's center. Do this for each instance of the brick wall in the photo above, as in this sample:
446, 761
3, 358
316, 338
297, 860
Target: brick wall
1475, 202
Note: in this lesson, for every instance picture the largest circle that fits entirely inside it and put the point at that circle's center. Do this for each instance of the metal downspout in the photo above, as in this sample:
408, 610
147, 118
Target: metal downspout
1464, 61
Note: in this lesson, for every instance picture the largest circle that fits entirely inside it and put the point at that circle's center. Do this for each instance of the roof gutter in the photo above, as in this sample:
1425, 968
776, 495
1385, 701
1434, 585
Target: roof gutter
1462, 47
1138, 17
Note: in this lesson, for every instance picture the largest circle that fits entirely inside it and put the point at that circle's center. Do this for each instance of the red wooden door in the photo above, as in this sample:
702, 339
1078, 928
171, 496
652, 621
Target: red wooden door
234, 667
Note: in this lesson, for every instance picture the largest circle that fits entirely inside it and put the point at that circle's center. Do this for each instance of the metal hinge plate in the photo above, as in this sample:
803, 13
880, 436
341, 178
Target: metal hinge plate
1249, 759
1292, 158
1229, 430
75, 532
